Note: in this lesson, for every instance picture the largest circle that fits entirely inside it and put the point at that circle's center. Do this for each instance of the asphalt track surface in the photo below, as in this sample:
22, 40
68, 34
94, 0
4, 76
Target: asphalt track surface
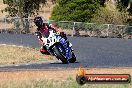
90, 51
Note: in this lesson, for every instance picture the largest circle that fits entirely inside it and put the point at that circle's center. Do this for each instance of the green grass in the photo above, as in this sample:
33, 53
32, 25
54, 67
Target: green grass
43, 83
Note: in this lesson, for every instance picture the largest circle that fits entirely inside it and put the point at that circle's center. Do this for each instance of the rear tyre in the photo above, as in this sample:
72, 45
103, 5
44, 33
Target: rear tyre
73, 59
59, 55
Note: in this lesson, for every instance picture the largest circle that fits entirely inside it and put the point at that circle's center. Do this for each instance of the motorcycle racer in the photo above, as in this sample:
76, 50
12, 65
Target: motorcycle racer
43, 28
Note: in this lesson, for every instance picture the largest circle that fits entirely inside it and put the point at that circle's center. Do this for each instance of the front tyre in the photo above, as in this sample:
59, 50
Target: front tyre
59, 55
73, 59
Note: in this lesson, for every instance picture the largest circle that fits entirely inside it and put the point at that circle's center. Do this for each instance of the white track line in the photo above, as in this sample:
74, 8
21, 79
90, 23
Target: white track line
13, 45
17, 65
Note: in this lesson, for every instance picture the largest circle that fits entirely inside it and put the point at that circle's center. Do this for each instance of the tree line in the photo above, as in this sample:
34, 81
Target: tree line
66, 10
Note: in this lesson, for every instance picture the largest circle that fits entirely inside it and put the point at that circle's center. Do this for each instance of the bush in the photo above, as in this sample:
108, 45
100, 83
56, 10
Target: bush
75, 10
105, 15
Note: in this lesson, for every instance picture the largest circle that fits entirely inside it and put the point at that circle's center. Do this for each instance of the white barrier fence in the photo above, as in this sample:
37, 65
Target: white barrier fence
23, 25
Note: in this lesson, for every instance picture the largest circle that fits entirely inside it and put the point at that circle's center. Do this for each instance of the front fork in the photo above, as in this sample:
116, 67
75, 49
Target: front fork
69, 51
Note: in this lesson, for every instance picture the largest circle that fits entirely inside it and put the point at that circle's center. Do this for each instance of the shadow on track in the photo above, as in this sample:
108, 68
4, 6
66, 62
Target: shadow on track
62, 63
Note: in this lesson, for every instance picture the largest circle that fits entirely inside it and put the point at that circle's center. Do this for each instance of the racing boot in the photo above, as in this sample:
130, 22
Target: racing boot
43, 50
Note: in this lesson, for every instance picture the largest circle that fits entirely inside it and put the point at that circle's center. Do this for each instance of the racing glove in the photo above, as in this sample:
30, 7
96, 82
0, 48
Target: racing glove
63, 35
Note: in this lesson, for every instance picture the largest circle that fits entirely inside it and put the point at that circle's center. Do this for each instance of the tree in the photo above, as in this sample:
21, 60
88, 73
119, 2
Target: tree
102, 2
75, 10
122, 4
125, 5
23, 9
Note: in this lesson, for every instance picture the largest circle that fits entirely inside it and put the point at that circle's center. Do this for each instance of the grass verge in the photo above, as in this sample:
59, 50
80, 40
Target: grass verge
43, 83
17, 55
57, 78
70, 82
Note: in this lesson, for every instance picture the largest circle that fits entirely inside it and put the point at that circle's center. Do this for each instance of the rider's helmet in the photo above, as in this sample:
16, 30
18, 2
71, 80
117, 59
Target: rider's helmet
38, 21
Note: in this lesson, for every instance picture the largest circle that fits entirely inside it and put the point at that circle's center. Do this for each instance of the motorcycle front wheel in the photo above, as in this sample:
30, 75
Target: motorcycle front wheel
73, 59
59, 54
